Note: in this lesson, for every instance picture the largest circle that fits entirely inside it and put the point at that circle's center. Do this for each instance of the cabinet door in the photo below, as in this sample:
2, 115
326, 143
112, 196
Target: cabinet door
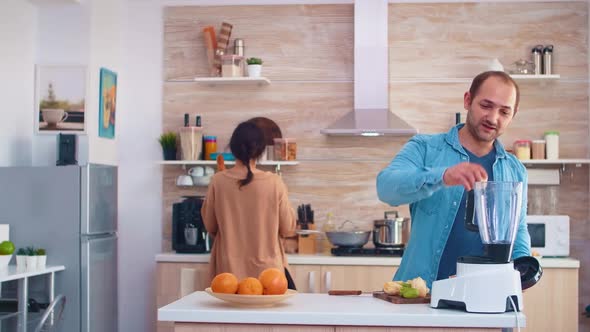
175, 280
552, 304
306, 277
364, 278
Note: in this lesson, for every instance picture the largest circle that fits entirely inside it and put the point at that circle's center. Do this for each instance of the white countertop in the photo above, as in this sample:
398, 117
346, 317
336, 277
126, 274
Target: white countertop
321, 259
323, 309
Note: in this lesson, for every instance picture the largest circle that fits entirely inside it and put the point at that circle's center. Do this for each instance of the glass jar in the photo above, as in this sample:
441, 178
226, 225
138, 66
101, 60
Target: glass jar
210, 146
522, 149
552, 139
232, 66
538, 149
285, 149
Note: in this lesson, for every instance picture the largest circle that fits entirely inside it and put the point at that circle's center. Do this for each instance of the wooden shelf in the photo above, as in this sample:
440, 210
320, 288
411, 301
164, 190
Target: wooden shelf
227, 162
535, 77
224, 80
555, 161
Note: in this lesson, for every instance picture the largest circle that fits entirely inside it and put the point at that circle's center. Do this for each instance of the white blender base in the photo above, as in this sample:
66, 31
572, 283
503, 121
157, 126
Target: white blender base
483, 288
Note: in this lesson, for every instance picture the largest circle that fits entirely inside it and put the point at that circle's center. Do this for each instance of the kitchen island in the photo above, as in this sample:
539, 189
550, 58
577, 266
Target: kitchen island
200, 311
552, 305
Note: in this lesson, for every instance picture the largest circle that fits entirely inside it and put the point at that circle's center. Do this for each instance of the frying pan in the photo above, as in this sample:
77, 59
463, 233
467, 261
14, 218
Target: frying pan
354, 238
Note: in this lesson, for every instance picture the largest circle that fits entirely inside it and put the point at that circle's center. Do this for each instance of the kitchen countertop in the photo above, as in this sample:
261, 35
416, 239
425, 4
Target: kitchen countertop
322, 259
323, 309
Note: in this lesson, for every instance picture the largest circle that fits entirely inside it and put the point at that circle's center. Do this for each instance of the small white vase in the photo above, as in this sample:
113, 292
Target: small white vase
31, 262
21, 262
254, 70
41, 261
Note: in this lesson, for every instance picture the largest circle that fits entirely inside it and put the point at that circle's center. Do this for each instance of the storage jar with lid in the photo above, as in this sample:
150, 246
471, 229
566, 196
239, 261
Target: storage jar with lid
552, 139
285, 149
231, 65
210, 146
538, 149
522, 149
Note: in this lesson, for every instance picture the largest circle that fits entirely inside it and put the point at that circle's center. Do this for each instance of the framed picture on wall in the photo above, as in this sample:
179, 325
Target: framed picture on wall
60, 99
107, 105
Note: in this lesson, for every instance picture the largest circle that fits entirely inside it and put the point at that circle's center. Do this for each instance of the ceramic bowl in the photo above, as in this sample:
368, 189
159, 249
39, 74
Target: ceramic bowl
201, 180
227, 156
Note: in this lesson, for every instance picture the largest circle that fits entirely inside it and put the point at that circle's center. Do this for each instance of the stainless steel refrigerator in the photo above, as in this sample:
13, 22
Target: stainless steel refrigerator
71, 211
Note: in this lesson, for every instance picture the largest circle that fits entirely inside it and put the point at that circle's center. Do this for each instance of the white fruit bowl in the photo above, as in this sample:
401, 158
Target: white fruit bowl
4, 260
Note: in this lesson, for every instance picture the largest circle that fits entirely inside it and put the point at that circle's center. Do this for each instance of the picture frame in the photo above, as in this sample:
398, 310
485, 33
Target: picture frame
107, 103
60, 99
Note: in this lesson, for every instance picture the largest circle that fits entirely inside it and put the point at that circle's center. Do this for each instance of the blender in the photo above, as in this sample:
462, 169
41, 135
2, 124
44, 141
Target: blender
490, 283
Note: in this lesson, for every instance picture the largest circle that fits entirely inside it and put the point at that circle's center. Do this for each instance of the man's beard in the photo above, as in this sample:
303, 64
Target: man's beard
474, 129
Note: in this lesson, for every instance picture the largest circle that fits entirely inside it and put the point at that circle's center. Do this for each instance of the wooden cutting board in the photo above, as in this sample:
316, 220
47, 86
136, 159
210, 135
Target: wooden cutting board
397, 299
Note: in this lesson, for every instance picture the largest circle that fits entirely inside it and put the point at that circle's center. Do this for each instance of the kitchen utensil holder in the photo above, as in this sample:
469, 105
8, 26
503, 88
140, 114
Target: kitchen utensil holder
307, 243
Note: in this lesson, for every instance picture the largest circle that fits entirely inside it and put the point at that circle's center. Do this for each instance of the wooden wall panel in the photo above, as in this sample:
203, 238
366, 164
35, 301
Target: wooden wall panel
295, 42
460, 39
544, 106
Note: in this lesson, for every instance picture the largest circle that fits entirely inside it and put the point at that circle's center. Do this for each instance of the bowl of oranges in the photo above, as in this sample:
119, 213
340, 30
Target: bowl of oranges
268, 289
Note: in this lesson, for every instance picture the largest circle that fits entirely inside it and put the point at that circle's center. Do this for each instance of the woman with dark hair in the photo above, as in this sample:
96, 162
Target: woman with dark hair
247, 211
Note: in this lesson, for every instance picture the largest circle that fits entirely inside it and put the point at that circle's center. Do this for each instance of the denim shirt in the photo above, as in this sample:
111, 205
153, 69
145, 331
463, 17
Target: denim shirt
415, 176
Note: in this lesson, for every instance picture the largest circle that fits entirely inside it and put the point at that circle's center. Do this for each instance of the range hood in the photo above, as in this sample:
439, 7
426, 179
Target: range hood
371, 115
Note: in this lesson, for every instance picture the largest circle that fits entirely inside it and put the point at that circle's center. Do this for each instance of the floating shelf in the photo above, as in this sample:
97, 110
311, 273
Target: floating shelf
228, 162
535, 77
276, 163
225, 80
555, 161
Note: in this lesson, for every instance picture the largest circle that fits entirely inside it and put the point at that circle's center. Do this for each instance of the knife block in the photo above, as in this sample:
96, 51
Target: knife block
307, 243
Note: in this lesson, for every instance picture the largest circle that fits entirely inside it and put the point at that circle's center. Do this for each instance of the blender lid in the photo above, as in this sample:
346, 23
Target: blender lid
530, 271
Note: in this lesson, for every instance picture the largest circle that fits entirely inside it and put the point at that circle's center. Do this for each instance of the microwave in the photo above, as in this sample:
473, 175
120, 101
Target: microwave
550, 235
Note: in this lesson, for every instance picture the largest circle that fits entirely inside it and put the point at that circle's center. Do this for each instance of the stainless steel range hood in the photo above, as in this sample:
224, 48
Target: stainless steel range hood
371, 115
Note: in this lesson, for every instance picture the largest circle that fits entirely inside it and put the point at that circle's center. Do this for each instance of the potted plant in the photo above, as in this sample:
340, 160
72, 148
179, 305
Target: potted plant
21, 256
31, 258
41, 258
254, 67
168, 142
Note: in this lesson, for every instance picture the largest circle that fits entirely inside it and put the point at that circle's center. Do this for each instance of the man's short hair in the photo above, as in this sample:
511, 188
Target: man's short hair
479, 79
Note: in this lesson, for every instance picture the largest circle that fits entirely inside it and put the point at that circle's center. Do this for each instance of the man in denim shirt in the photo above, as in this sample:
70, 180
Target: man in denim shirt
433, 173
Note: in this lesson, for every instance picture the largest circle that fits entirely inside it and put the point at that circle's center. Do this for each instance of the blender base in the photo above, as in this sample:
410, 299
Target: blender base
481, 288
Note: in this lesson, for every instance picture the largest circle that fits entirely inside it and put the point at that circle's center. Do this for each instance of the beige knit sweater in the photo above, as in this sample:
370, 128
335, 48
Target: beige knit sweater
247, 223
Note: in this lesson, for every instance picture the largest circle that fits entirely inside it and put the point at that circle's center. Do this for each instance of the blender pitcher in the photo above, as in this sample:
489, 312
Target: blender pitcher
497, 206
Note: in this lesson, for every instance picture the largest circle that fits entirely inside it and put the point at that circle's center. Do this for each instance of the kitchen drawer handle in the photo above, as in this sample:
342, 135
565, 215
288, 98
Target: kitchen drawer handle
328, 281
311, 282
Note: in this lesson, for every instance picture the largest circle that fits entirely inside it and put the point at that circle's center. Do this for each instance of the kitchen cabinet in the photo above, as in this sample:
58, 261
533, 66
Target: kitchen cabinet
322, 278
175, 280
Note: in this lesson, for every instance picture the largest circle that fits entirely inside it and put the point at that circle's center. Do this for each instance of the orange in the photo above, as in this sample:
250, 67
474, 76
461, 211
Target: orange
225, 283
273, 281
250, 286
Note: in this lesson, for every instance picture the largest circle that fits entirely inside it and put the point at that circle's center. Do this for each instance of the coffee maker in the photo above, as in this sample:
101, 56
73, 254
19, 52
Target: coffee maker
188, 231
491, 283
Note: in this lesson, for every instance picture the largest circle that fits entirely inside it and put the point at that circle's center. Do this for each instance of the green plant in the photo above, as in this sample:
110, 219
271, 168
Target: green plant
40, 252
254, 61
168, 140
21, 252
30, 251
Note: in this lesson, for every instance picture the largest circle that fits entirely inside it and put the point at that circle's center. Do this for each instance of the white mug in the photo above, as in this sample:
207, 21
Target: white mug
54, 115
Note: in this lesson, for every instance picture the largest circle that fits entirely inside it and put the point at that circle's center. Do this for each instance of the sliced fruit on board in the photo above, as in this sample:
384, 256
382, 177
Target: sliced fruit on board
400, 300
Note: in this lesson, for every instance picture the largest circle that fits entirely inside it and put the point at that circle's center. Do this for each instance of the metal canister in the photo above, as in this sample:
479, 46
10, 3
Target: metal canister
537, 59
239, 47
547, 60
